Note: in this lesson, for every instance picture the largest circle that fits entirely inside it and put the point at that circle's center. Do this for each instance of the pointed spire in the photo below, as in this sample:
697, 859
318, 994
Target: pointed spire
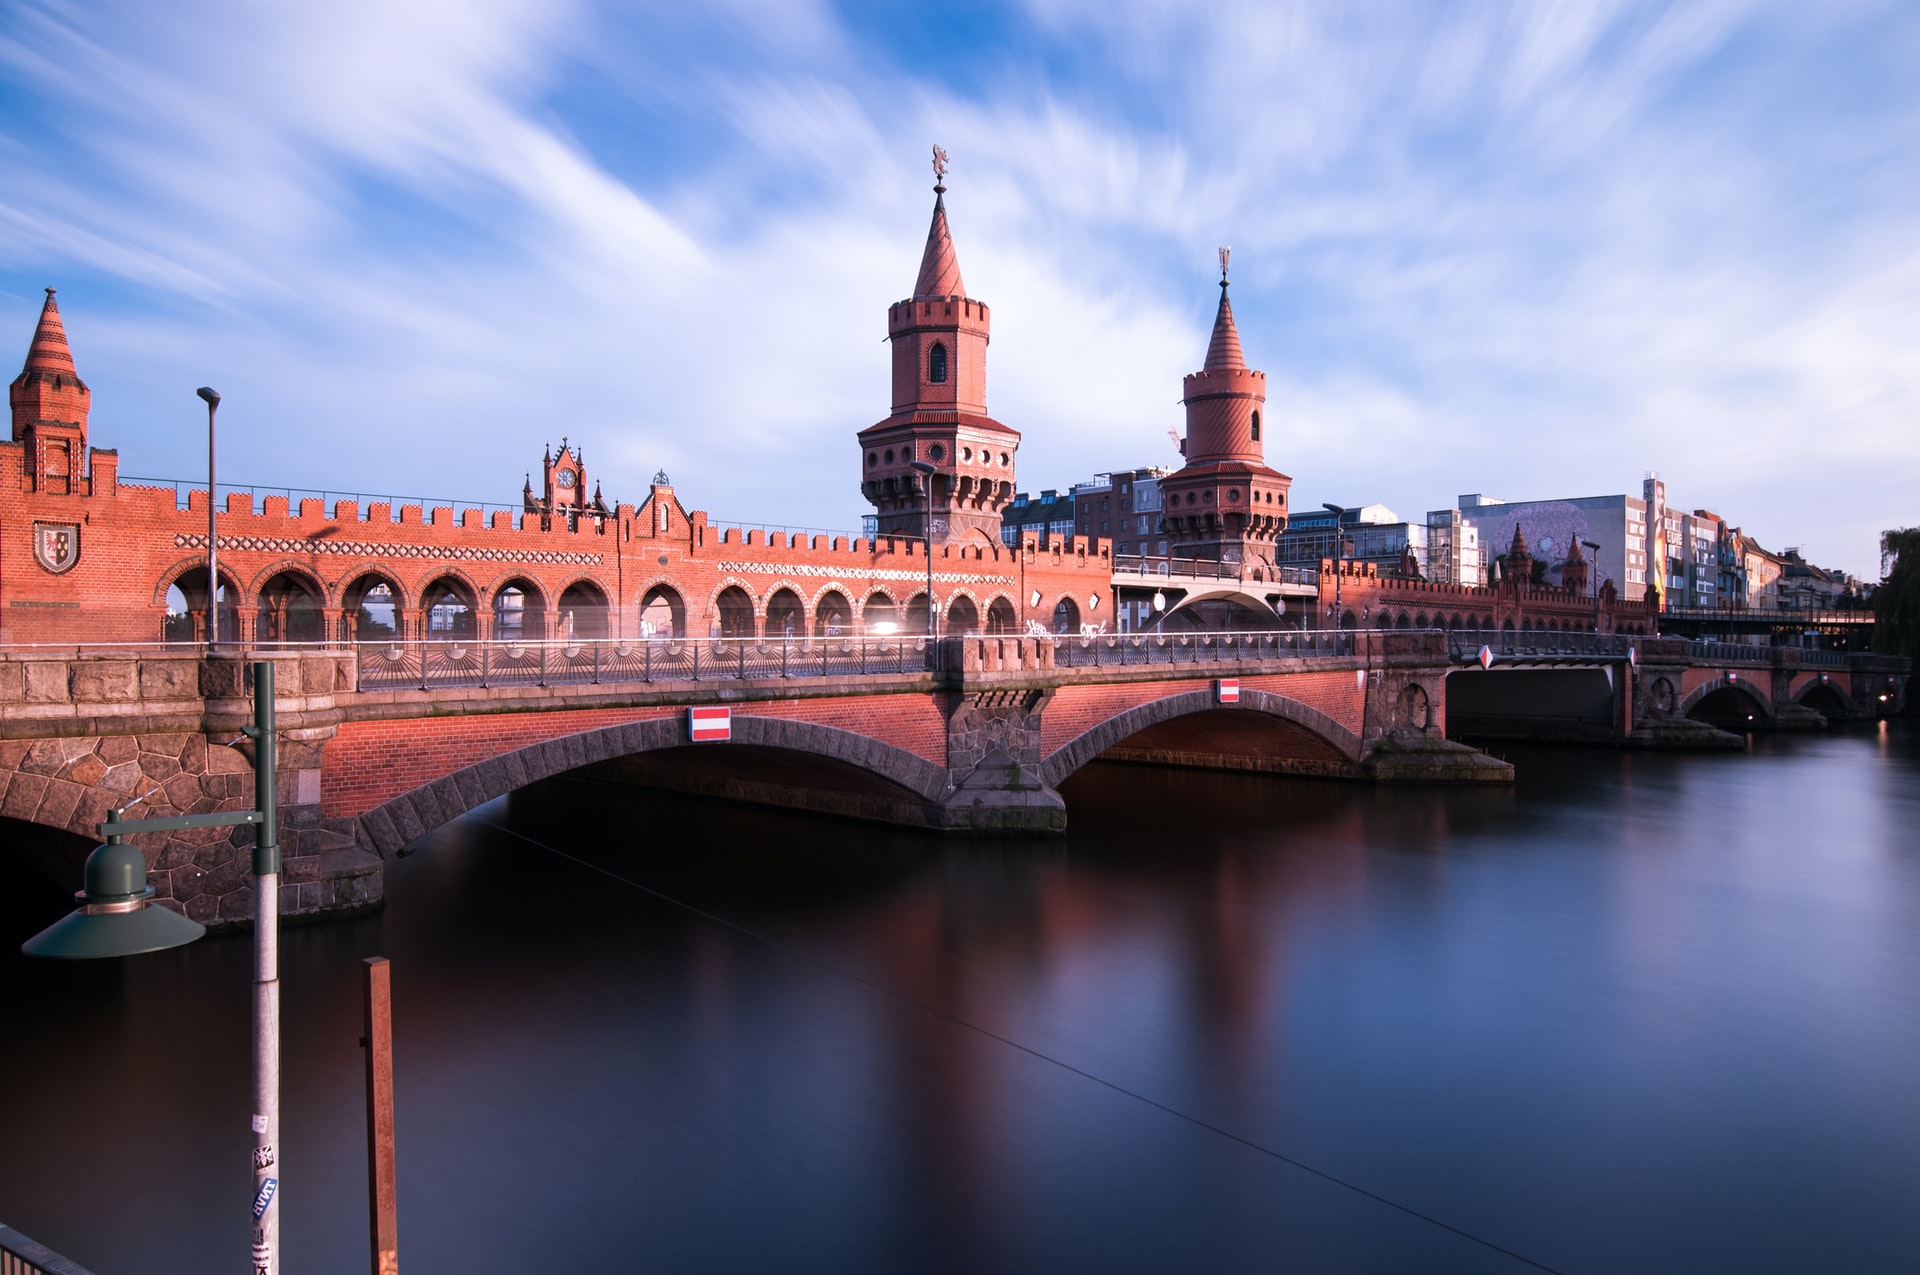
1519, 546
1223, 351
49, 352
1573, 552
939, 265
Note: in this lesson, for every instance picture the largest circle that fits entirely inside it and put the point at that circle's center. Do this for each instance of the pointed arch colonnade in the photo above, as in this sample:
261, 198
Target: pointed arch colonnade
290, 604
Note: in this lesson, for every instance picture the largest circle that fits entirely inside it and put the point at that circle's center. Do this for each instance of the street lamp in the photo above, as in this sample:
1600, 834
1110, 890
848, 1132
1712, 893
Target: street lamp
927, 471
117, 918
213, 543
1339, 558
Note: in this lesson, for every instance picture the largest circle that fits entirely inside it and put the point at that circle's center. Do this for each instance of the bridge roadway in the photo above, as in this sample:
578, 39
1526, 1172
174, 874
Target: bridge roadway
382, 743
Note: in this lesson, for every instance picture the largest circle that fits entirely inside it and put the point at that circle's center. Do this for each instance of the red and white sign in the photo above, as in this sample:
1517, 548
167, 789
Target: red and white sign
710, 725
1226, 690
1486, 657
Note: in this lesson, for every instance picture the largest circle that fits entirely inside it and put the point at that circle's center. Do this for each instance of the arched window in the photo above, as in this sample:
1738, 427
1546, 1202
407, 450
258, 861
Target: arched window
1256, 427
937, 363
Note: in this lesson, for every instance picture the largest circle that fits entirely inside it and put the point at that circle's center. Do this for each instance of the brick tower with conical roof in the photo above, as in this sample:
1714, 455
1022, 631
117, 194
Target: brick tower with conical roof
50, 404
1225, 504
939, 338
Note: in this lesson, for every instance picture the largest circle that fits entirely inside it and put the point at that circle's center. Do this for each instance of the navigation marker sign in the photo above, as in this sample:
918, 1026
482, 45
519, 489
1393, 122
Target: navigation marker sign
710, 725
1226, 690
1486, 657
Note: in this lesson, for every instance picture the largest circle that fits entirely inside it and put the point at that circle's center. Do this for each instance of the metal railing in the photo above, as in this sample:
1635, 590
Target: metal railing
1772, 615
1156, 567
435, 665
1465, 644
1121, 650
21, 1256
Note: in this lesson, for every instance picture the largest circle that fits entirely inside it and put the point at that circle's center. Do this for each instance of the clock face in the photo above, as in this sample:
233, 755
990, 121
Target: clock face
564, 478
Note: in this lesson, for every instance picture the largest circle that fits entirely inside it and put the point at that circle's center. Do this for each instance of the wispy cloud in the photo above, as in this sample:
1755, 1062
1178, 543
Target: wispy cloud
1522, 248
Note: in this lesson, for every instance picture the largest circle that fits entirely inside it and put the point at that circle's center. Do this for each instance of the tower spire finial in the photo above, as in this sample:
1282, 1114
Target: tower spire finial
939, 169
1226, 255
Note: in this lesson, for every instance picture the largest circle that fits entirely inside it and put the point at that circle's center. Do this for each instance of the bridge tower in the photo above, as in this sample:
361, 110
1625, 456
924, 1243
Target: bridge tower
50, 404
939, 337
1225, 503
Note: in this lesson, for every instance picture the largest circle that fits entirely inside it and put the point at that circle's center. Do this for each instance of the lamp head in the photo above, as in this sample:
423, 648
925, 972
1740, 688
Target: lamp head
923, 467
117, 915
213, 399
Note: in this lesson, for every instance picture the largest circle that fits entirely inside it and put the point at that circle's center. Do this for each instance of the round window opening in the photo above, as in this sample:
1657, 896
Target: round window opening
889, 455
1004, 460
936, 451
1233, 494
873, 458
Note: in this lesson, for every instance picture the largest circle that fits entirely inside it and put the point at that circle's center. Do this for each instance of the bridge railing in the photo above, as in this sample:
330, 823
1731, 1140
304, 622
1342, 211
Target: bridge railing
21, 1256
1120, 650
1740, 653
1155, 567
439, 665
1466, 644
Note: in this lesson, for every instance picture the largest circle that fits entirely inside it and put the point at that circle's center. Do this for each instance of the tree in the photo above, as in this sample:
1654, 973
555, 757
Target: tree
1896, 603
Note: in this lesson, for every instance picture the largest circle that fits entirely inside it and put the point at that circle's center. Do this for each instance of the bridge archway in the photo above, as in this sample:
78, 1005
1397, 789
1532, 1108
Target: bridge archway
290, 610
662, 612
1737, 705
962, 615
519, 611
735, 611
391, 826
582, 611
879, 610
786, 614
1827, 699
1001, 618
183, 592
370, 608
832, 615
1284, 730
450, 609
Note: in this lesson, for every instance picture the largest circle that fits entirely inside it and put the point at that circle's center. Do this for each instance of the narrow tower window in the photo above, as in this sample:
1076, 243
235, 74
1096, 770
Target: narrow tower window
937, 364
1256, 427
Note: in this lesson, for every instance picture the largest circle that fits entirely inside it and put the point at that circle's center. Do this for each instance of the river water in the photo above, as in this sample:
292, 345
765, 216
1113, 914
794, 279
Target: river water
1640, 1013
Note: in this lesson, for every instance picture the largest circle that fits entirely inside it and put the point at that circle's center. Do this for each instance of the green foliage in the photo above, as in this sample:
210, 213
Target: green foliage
1896, 603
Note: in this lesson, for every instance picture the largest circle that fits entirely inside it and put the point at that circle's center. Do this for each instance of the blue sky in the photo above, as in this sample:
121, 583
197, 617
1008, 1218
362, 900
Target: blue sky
1532, 249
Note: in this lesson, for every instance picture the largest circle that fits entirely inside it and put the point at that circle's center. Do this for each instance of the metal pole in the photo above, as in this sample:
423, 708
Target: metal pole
383, 1204
266, 982
213, 543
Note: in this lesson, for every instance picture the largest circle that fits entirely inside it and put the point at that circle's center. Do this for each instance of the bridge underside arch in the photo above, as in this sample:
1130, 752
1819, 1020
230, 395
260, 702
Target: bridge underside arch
1734, 706
1828, 700
770, 760
1230, 608
1263, 732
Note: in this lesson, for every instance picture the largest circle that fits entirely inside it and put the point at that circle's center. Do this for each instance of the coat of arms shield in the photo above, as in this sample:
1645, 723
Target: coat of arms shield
56, 545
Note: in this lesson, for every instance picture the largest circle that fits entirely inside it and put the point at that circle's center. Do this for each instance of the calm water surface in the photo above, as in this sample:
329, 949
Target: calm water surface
1640, 1014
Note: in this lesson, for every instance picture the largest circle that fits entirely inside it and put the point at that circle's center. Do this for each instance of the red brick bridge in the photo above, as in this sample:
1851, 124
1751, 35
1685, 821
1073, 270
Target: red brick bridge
382, 743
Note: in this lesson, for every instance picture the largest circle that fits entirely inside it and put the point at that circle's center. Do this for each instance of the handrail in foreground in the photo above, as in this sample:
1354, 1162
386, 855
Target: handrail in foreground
21, 1256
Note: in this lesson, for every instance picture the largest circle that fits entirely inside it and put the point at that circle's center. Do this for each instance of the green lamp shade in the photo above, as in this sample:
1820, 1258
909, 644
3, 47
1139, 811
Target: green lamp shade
117, 916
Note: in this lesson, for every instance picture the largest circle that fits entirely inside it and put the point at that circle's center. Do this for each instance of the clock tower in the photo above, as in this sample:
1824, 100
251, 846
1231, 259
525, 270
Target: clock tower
564, 489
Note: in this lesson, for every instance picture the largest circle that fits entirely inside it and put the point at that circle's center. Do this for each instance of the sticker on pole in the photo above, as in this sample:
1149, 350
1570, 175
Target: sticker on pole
709, 725
1486, 657
265, 1198
1226, 690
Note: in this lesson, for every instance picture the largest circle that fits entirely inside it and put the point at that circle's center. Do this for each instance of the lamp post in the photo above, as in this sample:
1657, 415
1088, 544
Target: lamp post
1339, 558
927, 471
117, 918
213, 542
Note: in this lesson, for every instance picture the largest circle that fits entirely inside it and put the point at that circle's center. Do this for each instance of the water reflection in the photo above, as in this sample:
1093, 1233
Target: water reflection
1646, 1013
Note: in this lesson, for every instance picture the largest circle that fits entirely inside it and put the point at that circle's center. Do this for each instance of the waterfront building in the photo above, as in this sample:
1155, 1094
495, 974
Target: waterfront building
1046, 519
1123, 506
1363, 533
1612, 531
